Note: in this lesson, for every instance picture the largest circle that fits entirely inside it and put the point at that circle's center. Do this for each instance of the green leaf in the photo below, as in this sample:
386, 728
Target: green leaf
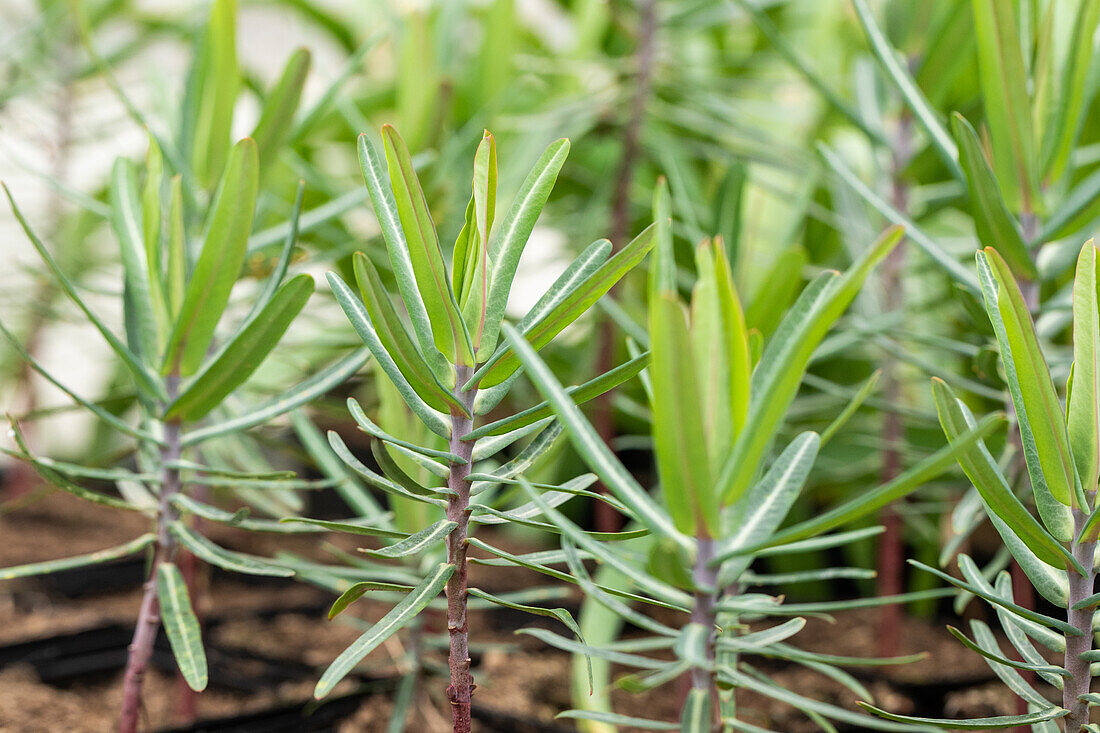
369, 427
373, 478
513, 234
697, 715
1001, 721
999, 659
396, 340
678, 430
476, 282
617, 719
1065, 127
417, 543
910, 92
873, 500
777, 377
139, 315
360, 320
448, 328
558, 613
385, 209
302, 393
1080, 206
662, 266
1083, 402
991, 484
1038, 411
852, 407
219, 81
579, 394
239, 358
357, 591
175, 286
79, 561
277, 115
354, 494
234, 562
988, 643
146, 381
541, 331
1004, 79
590, 446
996, 227
349, 526
219, 263
399, 616
181, 626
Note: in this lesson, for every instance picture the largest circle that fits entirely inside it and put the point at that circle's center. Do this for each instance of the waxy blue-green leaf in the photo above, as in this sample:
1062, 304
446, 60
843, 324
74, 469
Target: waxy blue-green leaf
591, 447
360, 320
357, 591
369, 427
347, 527
1038, 411
354, 494
999, 721
1064, 129
579, 394
176, 263
983, 472
217, 83
385, 209
181, 626
475, 285
451, 336
662, 265
79, 561
1004, 80
151, 236
570, 308
1083, 402
139, 315
417, 543
277, 114
145, 379
381, 482
219, 263
999, 659
995, 226
697, 715
234, 562
236, 362
399, 345
1079, 207
678, 429
778, 375
513, 234
852, 407
302, 393
401, 614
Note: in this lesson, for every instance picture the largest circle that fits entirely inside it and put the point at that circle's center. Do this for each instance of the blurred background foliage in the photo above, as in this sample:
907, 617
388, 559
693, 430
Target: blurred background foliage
794, 129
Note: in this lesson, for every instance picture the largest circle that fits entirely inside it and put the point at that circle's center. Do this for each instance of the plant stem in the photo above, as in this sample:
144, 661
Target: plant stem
705, 579
145, 633
461, 688
1080, 587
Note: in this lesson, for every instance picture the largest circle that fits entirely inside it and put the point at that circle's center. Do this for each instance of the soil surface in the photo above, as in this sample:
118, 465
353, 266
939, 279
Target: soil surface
269, 641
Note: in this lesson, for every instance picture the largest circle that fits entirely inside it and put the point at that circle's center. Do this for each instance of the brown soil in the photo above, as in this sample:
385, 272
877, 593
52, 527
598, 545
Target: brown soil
527, 681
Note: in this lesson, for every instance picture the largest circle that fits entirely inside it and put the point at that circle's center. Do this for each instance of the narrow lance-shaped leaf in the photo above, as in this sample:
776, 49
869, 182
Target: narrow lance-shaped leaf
79, 561
1038, 411
1004, 79
662, 266
513, 234
986, 476
151, 234
219, 82
569, 309
451, 335
174, 276
681, 443
391, 332
138, 314
235, 363
415, 602
484, 203
776, 378
996, 227
1065, 128
219, 263
1000, 721
1083, 402
385, 209
277, 114
181, 626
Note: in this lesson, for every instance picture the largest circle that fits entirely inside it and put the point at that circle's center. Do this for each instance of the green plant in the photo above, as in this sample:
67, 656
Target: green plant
716, 412
448, 366
1057, 551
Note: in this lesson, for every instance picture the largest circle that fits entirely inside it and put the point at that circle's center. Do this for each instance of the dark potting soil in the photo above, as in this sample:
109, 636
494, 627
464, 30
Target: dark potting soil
62, 646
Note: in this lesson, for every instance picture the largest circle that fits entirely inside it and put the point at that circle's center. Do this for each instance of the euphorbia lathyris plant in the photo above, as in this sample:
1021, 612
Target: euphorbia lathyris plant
715, 417
1057, 550
182, 375
443, 357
